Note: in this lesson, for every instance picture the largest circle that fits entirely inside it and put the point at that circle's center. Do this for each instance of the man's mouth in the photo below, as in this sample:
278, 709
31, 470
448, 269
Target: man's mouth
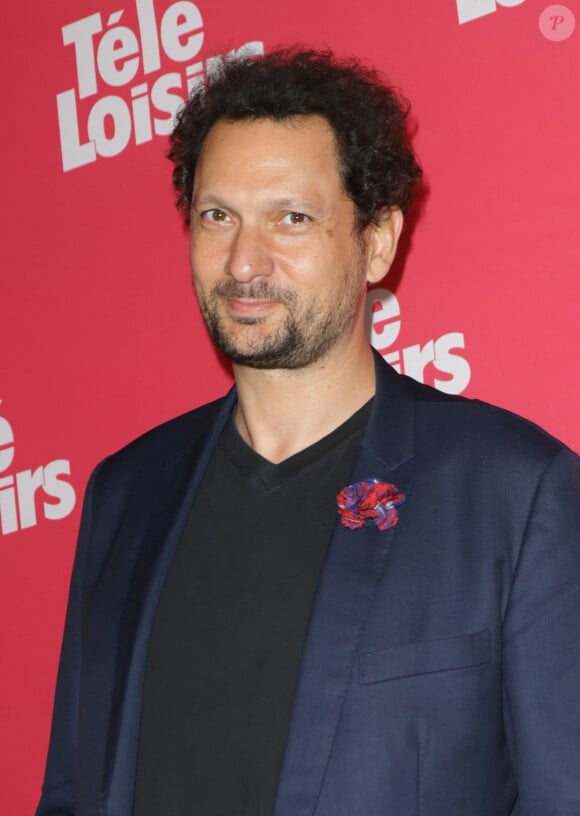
250, 306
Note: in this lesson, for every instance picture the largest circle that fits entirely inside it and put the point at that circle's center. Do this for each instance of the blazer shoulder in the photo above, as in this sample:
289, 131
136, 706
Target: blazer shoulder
167, 439
486, 427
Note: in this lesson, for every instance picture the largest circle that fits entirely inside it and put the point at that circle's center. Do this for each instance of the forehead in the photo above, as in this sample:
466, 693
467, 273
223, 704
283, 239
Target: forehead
300, 149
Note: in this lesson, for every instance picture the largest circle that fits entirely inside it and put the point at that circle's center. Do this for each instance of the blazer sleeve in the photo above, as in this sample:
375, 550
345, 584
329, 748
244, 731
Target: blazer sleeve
58, 790
541, 648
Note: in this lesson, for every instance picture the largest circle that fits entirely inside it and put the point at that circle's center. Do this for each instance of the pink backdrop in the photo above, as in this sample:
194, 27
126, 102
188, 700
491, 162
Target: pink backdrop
100, 336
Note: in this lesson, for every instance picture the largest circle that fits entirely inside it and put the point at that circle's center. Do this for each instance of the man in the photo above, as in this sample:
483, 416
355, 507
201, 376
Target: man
335, 591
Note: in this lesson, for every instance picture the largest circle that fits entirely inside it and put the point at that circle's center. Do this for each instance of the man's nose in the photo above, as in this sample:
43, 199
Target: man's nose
249, 256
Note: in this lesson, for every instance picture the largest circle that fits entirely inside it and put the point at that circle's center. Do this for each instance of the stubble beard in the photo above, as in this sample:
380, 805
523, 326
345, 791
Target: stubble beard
306, 334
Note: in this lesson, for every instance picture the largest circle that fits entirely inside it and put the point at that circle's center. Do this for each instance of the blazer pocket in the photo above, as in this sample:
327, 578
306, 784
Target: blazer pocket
425, 657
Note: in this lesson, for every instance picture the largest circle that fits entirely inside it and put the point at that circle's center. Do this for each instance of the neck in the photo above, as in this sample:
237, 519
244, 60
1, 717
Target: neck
280, 412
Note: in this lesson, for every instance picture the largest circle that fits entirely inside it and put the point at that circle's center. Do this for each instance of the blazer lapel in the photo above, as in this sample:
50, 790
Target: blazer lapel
165, 522
353, 568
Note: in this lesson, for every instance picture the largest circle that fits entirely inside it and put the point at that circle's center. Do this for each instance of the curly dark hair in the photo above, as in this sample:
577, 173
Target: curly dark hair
377, 165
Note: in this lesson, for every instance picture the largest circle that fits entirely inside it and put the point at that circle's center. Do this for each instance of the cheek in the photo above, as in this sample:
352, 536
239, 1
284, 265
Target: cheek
207, 258
305, 261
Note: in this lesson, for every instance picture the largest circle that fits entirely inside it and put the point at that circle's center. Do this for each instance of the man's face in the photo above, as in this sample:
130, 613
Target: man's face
278, 269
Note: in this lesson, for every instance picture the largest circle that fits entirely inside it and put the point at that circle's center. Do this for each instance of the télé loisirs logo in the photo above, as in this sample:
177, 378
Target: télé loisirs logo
468, 10
29, 494
131, 80
437, 362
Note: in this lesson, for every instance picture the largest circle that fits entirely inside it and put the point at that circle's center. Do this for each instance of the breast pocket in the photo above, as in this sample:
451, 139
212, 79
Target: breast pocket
444, 654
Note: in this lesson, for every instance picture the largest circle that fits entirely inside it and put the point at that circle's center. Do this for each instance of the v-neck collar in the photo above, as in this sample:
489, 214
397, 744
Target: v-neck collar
272, 474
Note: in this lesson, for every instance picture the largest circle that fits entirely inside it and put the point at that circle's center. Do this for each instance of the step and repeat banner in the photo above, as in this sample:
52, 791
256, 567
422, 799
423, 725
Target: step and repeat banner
101, 337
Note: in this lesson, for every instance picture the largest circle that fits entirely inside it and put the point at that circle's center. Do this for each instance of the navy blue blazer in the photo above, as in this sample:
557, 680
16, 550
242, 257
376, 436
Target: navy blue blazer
441, 672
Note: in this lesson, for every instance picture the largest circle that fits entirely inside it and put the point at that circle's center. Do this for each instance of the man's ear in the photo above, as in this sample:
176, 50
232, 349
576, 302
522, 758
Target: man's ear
382, 241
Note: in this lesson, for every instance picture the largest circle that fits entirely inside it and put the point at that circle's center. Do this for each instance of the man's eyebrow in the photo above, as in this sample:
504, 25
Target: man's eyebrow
210, 199
296, 204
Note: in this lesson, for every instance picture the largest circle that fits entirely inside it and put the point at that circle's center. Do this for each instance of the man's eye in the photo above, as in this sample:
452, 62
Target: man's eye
295, 218
216, 216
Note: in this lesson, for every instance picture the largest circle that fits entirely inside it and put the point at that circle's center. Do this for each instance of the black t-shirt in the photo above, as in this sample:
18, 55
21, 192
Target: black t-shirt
230, 627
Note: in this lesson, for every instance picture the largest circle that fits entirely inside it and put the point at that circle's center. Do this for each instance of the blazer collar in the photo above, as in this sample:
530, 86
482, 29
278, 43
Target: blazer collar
157, 539
390, 433
354, 565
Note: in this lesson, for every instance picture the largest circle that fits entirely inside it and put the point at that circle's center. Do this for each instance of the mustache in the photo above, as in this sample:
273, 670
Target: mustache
256, 289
